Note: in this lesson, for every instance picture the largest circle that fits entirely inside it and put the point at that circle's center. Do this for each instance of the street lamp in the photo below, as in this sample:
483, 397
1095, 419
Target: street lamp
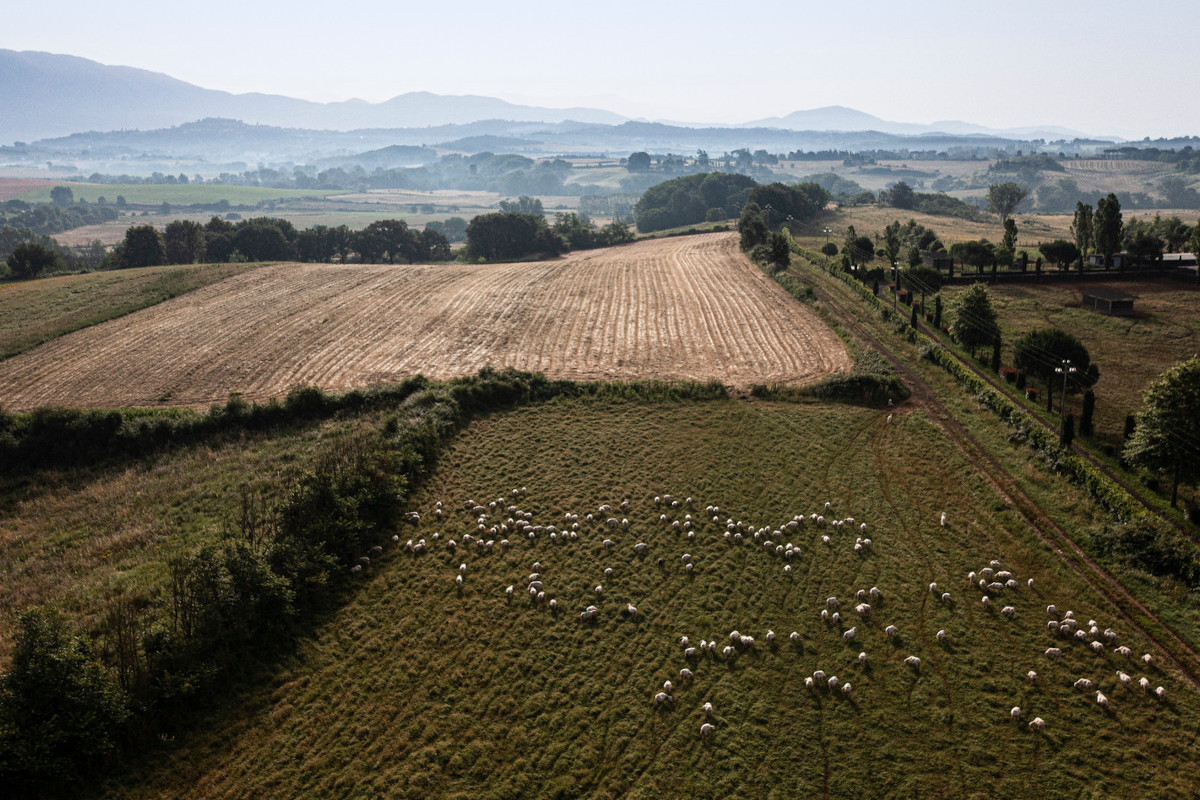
1066, 369
768, 208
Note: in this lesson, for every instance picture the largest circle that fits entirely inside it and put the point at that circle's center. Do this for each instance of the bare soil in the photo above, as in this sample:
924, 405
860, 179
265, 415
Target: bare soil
682, 308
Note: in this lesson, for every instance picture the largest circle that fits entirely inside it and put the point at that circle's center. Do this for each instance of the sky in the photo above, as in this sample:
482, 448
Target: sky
1101, 67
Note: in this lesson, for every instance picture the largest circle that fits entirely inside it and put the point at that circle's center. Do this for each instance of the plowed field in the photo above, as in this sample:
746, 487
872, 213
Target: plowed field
690, 307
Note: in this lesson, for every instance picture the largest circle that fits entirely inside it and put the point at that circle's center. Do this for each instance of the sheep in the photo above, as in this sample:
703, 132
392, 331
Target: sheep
685, 674
862, 659
728, 652
1101, 700
746, 642
356, 568
509, 592
1015, 713
770, 637
1008, 611
689, 652
1110, 635
863, 610
1051, 610
848, 636
662, 698
536, 585
933, 588
631, 610
1124, 679
987, 573
995, 586
553, 604
376, 550
946, 598
458, 579
707, 708
599, 590
1003, 575
706, 729
808, 684
825, 539
1124, 651
831, 602
1144, 682
1097, 647
1160, 693
1083, 683
971, 577
1053, 652
1052, 625
365, 561
795, 637
890, 631
835, 618
943, 520
832, 682
889, 419
606, 544
1029, 583
941, 636
541, 596
668, 686
1037, 723
640, 547
819, 676
913, 662
1147, 658
825, 615
787, 569
1031, 676
686, 557
986, 602
875, 593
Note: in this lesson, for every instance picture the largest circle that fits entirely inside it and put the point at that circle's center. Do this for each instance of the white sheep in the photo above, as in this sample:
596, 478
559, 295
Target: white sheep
707, 708
941, 636
1015, 713
685, 674
836, 618
1101, 700
1124, 679
728, 651
1008, 611
689, 652
458, 579
819, 676
631, 610
825, 615
553, 604
1144, 682
640, 547
943, 520
863, 609
831, 602
599, 590
875, 593
913, 662
1029, 583
662, 698
687, 568
770, 637
1083, 683
462, 568
848, 636
668, 686
1097, 647
1052, 625
832, 682
986, 602
509, 592
706, 729
1031, 676
946, 598
1053, 652
1147, 658
933, 588
890, 631
795, 637
1160, 693
1037, 723
809, 684
1124, 651
746, 641
862, 659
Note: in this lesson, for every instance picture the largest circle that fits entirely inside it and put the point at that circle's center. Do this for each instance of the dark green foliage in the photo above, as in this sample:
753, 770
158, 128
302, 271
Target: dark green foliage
937, 312
1167, 437
1107, 227
751, 227
638, 162
61, 714
829, 249
978, 254
184, 242
912, 317
1149, 546
522, 205
1067, 435
1087, 412
780, 255
62, 195
689, 199
391, 241
1004, 198
996, 354
500, 236
1041, 353
30, 259
1130, 427
143, 246
800, 202
1010, 234
265, 239
899, 195
974, 320
1061, 252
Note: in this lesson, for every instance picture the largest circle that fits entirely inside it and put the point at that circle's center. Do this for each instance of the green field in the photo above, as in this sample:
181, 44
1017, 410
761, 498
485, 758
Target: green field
419, 689
175, 194
33, 312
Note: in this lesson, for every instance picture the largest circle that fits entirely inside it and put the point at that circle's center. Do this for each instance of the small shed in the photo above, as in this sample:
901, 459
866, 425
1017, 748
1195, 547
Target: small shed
939, 260
1108, 301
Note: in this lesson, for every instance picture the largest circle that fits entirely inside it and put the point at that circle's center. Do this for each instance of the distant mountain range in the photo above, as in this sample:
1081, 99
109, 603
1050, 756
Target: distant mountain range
45, 95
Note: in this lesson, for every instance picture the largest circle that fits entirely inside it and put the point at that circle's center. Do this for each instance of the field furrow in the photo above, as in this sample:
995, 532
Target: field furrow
685, 308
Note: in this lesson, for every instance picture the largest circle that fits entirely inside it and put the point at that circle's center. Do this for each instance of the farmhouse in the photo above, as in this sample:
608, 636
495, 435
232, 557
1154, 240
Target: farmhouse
1108, 301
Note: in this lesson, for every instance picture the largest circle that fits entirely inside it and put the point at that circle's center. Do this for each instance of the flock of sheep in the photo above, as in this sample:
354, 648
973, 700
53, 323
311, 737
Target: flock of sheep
500, 522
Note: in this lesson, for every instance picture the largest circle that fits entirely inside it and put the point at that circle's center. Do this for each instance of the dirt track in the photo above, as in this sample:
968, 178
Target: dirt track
689, 307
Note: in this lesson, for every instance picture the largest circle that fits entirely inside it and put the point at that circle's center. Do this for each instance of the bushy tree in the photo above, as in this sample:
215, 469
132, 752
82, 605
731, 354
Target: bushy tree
1083, 229
751, 227
973, 320
143, 246
899, 195
61, 713
1167, 437
522, 205
638, 162
1004, 198
1042, 352
62, 196
184, 243
499, 236
1010, 234
781, 256
1061, 252
30, 259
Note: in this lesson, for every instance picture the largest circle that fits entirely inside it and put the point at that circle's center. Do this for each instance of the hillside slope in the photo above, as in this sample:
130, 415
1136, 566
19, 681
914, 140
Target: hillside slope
421, 689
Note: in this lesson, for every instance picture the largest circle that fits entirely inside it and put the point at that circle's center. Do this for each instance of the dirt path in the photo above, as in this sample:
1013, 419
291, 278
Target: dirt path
682, 308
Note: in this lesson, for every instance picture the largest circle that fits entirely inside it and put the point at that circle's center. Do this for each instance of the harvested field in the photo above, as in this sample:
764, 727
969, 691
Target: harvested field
683, 308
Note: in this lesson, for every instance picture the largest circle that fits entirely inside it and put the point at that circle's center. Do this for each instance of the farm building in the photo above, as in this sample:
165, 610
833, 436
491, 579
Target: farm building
940, 261
1108, 301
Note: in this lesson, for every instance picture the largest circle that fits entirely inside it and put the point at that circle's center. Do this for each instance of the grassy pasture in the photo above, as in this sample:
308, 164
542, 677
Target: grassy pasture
1130, 351
33, 312
416, 689
175, 194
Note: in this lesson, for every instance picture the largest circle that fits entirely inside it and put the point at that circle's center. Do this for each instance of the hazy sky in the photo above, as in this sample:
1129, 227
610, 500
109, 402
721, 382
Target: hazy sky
1102, 67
